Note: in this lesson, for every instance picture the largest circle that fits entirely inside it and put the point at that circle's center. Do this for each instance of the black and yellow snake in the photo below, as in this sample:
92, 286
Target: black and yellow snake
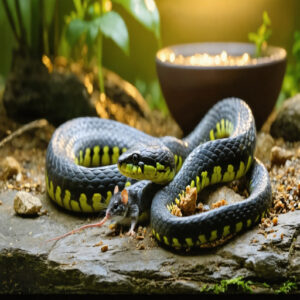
86, 156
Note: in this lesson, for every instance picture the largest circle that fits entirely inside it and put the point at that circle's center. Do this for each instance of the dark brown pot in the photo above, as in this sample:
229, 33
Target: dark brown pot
190, 91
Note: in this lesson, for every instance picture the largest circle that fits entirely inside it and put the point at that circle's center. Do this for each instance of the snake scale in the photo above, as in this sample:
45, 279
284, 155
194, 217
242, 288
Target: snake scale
87, 157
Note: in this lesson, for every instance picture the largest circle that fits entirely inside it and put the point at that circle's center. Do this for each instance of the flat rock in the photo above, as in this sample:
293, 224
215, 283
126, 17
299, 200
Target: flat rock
76, 264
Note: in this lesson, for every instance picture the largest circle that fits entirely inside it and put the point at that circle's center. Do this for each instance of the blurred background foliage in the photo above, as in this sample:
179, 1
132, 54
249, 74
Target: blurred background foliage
178, 21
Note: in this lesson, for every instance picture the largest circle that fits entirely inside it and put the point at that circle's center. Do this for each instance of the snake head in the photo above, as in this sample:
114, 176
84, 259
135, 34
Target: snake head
153, 162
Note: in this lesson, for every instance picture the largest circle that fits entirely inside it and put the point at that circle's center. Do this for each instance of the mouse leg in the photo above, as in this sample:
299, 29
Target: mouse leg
134, 215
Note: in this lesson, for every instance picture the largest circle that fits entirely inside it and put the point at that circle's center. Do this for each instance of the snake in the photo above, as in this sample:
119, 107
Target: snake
88, 156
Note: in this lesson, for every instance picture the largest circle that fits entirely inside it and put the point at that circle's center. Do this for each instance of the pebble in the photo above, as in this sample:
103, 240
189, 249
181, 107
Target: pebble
10, 167
280, 156
27, 204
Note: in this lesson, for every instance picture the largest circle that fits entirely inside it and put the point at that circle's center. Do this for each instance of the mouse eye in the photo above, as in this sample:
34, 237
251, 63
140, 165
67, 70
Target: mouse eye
135, 158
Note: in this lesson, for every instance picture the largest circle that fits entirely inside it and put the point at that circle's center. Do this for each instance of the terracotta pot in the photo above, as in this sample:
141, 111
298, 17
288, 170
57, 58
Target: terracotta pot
190, 91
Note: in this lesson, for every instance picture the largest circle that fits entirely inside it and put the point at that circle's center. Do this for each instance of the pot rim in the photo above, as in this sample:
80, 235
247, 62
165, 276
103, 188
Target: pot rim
279, 54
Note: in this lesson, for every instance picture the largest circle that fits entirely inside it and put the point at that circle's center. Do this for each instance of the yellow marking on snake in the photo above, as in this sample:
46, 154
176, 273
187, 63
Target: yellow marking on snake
124, 150
128, 183
192, 183
75, 205
87, 157
175, 159
83, 203
226, 230
229, 175
257, 218
76, 161
149, 170
216, 176
96, 156
108, 196
238, 226
202, 238
166, 240
134, 169
51, 191
198, 183
189, 242
157, 236
58, 196
249, 222
213, 235
241, 170
175, 243
105, 156
81, 157
205, 179
115, 155
159, 166
263, 214
218, 130
96, 199
66, 200
212, 135
248, 163
178, 167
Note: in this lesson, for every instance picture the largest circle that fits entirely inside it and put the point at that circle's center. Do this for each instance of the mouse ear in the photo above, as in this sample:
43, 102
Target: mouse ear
124, 196
116, 190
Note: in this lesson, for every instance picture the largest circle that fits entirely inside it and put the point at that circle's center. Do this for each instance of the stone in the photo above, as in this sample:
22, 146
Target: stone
287, 122
280, 155
27, 204
264, 144
10, 167
74, 265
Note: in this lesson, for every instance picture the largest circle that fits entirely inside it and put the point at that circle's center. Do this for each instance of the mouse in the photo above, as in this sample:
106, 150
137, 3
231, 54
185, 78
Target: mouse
131, 205
126, 207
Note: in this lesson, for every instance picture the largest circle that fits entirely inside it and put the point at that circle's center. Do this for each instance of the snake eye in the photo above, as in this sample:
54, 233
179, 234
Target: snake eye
135, 158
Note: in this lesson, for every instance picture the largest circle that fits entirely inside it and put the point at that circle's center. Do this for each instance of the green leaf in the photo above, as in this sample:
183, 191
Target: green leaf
112, 26
75, 29
266, 19
145, 12
49, 6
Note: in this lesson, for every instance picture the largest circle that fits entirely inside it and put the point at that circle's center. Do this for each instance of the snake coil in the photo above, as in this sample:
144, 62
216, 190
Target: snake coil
82, 171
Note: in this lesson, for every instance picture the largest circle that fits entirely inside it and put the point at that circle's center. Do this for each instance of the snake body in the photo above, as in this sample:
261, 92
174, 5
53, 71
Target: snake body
82, 171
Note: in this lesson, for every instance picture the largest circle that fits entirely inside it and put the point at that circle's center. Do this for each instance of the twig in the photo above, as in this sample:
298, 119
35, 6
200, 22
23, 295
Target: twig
34, 124
11, 21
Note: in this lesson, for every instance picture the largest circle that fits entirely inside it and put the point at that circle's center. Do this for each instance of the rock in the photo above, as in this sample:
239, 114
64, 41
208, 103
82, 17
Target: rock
75, 265
264, 144
287, 122
10, 167
280, 155
212, 196
26, 204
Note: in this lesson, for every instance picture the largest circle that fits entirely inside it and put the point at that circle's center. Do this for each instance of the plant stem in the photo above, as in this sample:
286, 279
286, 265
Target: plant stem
23, 38
100, 69
99, 46
11, 22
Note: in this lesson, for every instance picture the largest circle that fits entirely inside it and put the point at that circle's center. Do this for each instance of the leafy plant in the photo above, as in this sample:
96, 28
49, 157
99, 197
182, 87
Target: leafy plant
287, 287
262, 35
30, 23
93, 19
225, 284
